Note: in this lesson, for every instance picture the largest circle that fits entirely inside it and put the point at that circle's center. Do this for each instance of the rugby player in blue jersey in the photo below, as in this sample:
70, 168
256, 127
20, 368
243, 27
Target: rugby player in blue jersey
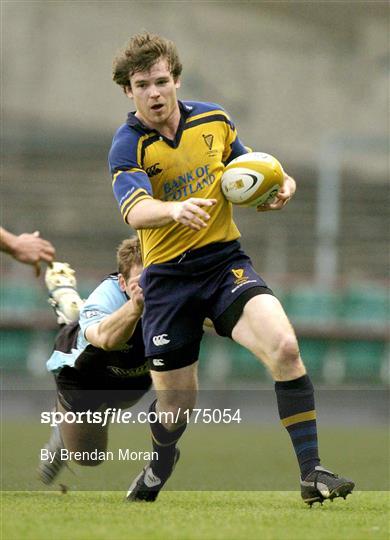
166, 163
99, 360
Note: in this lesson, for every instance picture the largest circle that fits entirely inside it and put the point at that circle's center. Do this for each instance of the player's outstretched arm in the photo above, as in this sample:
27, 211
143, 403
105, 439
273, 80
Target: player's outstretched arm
282, 198
26, 248
116, 329
152, 214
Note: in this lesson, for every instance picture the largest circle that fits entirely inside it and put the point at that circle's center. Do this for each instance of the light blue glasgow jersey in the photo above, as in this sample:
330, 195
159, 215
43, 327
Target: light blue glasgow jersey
103, 301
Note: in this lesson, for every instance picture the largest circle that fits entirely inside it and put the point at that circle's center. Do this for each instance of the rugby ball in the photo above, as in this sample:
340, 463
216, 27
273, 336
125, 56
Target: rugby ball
252, 179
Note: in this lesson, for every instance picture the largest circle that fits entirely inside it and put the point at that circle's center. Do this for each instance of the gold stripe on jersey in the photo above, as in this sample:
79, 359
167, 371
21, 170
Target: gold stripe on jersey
135, 195
127, 209
140, 143
134, 169
206, 114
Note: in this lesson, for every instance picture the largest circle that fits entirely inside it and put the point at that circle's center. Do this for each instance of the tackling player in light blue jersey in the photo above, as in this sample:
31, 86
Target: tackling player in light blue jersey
107, 298
98, 361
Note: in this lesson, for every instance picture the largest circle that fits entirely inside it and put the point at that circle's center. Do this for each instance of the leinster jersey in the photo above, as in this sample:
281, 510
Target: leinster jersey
144, 164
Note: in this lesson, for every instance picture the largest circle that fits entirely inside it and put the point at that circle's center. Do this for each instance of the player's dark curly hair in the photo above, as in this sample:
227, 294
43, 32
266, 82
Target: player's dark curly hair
128, 254
142, 51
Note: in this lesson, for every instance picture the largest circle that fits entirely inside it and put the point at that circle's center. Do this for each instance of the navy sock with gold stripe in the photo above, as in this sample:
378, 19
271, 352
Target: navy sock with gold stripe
297, 412
164, 444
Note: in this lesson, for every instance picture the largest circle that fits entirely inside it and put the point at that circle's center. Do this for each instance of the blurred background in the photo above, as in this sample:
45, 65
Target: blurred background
305, 81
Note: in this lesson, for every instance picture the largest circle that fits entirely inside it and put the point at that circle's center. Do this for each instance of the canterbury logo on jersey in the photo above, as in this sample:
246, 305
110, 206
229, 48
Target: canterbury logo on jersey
153, 170
161, 340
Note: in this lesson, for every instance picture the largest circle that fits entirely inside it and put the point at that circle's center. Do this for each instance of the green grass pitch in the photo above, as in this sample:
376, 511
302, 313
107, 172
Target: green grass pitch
252, 467
193, 516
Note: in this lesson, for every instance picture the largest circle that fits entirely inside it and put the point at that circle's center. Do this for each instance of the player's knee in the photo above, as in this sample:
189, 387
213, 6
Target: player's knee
288, 350
177, 402
177, 414
173, 415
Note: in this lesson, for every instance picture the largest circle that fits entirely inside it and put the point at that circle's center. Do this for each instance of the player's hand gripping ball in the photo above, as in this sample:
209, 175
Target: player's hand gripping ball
252, 179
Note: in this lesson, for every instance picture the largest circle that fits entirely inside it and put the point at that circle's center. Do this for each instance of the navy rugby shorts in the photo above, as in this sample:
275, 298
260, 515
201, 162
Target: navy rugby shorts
214, 281
77, 392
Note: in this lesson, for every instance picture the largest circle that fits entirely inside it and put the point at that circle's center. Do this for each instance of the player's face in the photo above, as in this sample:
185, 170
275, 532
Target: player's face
154, 95
136, 270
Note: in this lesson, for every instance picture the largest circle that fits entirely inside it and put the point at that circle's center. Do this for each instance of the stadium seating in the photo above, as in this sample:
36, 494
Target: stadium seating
366, 305
359, 357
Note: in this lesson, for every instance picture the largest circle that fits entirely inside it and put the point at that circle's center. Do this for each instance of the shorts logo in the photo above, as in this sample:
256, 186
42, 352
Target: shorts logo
239, 274
241, 279
158, 362
134, 372
160, 340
